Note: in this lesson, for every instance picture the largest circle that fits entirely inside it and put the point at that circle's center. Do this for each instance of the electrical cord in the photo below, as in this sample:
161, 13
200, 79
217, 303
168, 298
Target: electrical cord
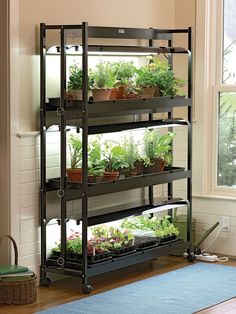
218, 259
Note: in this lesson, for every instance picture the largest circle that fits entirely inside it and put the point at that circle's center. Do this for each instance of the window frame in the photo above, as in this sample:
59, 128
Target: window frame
217, 32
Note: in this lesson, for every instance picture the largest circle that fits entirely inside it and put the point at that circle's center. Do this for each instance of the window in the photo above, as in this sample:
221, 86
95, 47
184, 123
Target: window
225, 87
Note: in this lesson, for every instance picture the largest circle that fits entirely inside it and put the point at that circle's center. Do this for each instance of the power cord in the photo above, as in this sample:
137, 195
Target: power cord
213, 258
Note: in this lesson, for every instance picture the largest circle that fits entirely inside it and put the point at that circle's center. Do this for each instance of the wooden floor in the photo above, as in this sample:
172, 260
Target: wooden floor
68, 289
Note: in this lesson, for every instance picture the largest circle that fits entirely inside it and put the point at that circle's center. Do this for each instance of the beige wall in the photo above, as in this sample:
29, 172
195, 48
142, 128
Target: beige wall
133, 13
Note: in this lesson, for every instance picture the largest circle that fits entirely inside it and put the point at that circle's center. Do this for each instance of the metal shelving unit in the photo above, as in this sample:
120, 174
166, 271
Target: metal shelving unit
65, 112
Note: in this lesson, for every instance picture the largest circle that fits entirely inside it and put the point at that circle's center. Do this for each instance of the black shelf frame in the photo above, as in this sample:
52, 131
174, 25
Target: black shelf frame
82, 113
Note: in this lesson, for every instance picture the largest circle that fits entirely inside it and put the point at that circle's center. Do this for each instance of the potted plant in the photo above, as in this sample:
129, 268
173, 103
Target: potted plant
95, 161
114, 160
130, 155
148, 80
75, 147
132, 91
75, 81
157, 150
168, 82
103, 80
124, 72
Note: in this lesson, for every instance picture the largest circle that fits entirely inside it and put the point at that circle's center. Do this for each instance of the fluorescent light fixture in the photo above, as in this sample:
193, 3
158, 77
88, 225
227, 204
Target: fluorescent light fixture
94, 50
162, 208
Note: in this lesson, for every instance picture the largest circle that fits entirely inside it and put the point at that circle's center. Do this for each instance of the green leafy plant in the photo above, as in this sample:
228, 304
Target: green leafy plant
74, 243
161, 226
114, 156
75, 147
118, 238
95, 161
132, 89
103, 76
124, 71
168, 82
164, 227
57, 248
148, 75
75, 77
130, 151
158, 146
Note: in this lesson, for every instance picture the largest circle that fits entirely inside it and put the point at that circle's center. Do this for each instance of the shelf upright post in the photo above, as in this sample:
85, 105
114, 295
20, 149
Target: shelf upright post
170, 116
150, 117
61, 112
42, 152
189, 180
85, 287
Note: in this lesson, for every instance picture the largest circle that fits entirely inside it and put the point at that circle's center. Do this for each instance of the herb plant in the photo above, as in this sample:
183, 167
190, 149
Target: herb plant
75, 147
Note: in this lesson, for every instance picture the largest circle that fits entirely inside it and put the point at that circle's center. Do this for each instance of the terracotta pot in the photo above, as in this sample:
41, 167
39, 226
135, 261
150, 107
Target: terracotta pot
121, 92
131, 173
76, 94
158, 166
139, 166
111, 176
148, 92
131, 96
74, 175
157, 92
101, 94
94, 179
114, 92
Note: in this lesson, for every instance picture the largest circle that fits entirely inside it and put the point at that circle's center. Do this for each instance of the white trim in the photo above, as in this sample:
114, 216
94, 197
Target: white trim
214, 196
209, 21
28, 134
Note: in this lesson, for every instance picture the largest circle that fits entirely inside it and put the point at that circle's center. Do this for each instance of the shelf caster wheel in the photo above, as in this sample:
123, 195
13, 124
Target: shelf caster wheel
45, 282
86, 289
190, 257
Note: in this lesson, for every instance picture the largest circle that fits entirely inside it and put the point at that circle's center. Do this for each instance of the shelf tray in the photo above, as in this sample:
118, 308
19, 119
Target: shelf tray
74, 190
98, 109
127, 260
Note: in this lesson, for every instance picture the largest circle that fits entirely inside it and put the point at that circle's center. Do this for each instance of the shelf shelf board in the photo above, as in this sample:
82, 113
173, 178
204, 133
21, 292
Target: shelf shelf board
125, 261
117, 127
145, 209
74, 190
118, 32
112, 108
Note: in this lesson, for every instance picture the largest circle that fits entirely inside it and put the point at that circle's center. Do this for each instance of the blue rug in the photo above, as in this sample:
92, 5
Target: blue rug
183, 291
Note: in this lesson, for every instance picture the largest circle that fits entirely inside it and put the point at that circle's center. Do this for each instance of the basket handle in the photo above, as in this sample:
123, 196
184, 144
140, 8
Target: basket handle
14, 245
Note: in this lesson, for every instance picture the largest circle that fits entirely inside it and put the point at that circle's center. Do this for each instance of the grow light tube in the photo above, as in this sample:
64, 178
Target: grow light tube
162, 208
140, 125
72, 50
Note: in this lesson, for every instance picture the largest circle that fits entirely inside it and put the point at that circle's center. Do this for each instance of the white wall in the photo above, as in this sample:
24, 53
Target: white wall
25, 92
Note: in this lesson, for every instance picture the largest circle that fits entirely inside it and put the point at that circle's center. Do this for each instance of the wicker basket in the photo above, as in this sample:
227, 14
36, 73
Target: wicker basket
17, 292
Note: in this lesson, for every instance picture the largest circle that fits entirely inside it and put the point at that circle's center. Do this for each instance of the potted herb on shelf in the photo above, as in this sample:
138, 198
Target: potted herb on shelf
132, 91
148, 80
75, 81
96, 166
168, 82
130, 155
103, 80
124, 72
114, 160
74, 173
157, 150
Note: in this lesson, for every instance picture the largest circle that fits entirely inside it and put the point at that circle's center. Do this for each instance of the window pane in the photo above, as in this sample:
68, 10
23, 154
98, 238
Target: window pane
227, 140
229, 50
